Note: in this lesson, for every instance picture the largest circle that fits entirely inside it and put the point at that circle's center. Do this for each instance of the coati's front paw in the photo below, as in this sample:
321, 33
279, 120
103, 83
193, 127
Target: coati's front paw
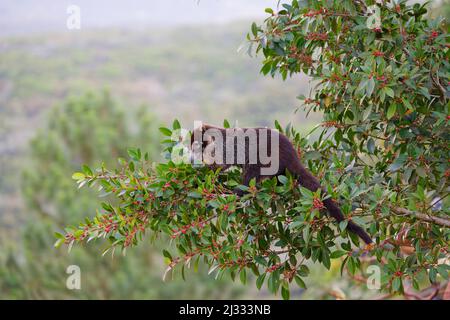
238, 192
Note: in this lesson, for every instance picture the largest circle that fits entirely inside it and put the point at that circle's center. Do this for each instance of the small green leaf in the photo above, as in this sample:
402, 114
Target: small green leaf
337, 254
78, 176
443, 270
389, 92
260, 281
396, 284
300, 282
195, 194
87, 170
243, 276
391, 110
285, 293
371, 145
58, 243
165, 131
283, 179
167, 254
254, 29
176, 125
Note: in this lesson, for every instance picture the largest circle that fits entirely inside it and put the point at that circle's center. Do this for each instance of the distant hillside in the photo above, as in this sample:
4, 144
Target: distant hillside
189, 73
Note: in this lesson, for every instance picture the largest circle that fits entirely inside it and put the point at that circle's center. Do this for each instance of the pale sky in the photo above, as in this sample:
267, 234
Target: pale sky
26, 16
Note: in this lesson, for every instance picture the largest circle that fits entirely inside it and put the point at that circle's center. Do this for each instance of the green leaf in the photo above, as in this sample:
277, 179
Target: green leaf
370, 86
243, 276
337, 254
266, 68
351, 265
195, 194
59, 235
285, 293
87, 170
58, 243
300, 282
165, 131
260, 281
167, 254
254, 29
303, 271
261, 260
432, 273
343, 225
421, 172
283, 179
176, 125
389, 92
78, 176
391, 110
443, 271
312, 155
398, 163
396, 284
371, 145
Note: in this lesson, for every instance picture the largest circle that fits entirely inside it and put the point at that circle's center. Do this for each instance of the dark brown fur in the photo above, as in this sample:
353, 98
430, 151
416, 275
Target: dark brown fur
288, 160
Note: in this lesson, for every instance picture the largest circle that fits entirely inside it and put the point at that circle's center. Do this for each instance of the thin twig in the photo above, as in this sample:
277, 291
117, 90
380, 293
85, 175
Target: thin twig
437, 220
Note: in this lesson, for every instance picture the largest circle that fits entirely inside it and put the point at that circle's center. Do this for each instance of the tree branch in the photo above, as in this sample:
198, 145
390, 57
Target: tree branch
437, 220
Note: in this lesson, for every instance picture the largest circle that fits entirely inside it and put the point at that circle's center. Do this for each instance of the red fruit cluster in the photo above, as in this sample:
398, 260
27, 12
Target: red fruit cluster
239, 243
313, 13
434, 34
208, 195
447, 173
383, 80
318, 204
323, 36
377, 53
335, 78
302, 57
130, 236
199, 225
331, 124
273, 268
308, 101
398, 274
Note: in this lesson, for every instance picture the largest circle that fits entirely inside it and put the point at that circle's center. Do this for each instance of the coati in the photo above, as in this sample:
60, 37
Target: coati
220, 147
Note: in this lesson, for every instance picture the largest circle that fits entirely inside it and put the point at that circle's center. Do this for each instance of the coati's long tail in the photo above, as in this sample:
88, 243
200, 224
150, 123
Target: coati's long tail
336, 213
307, 180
